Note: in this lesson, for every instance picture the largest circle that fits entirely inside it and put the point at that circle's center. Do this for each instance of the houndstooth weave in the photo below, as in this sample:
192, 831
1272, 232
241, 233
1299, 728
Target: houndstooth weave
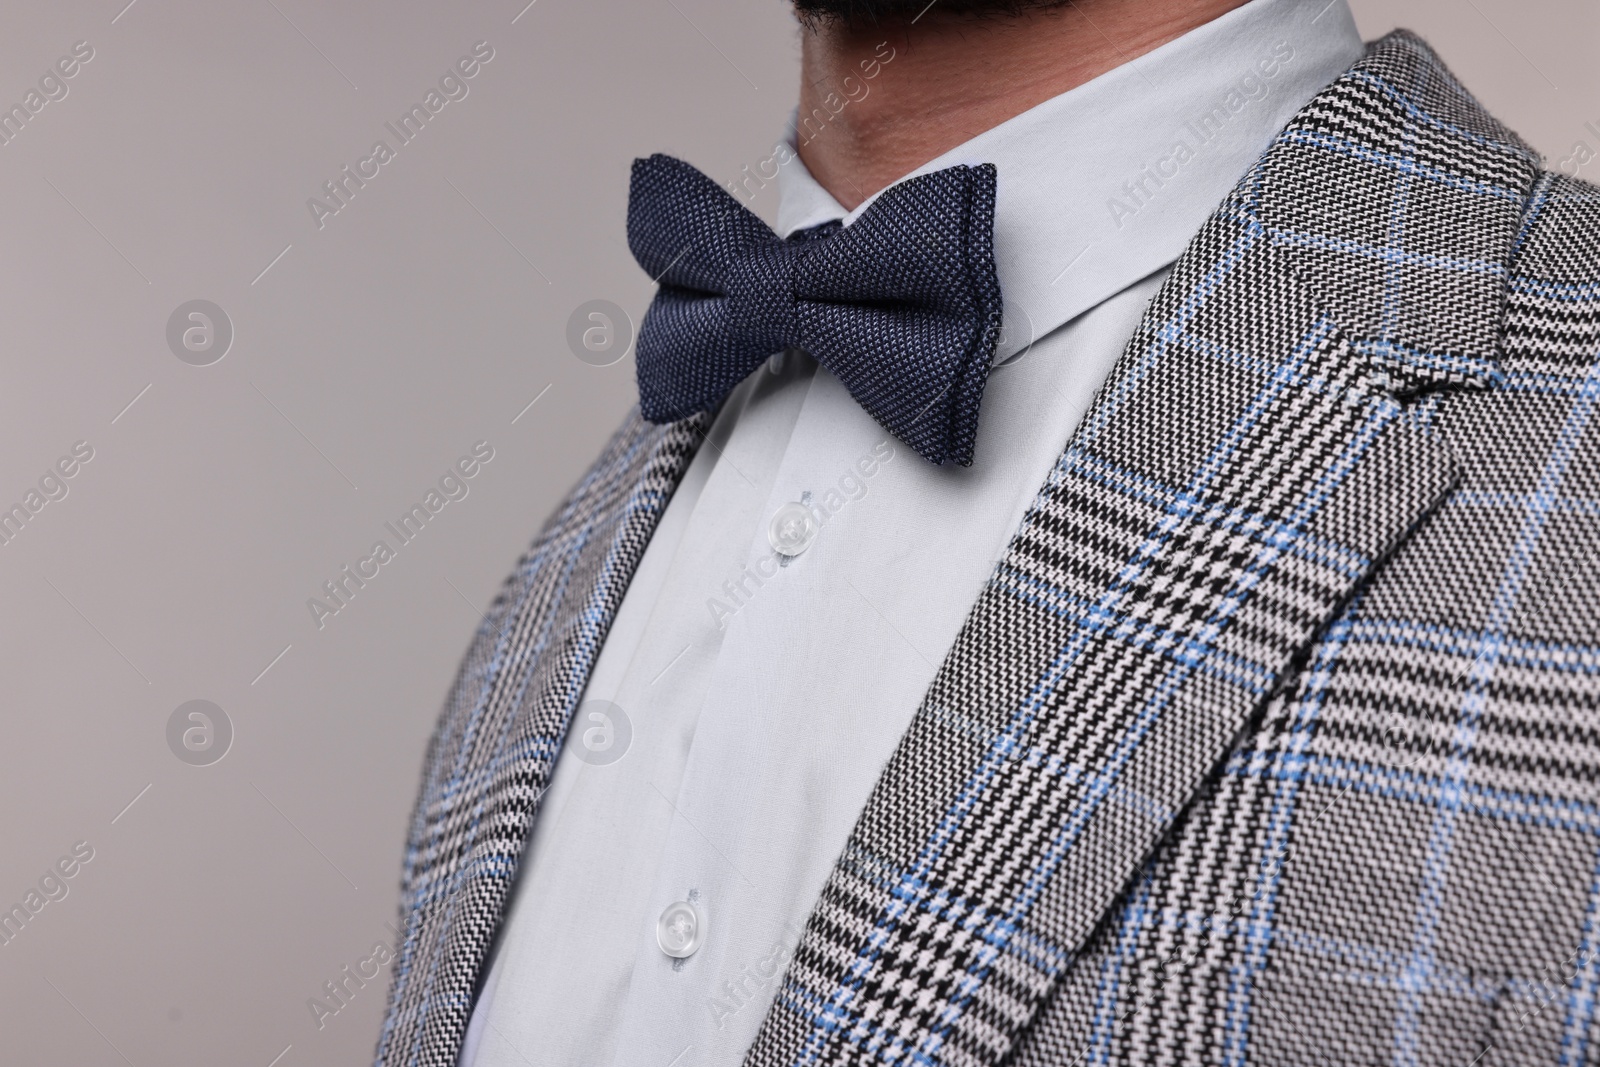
1275, 736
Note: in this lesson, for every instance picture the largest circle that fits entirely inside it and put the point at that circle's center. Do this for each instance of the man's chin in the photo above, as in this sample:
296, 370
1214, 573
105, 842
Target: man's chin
852, 14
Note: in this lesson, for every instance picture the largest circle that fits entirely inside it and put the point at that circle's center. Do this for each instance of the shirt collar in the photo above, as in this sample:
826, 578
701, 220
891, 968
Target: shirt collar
1108, 182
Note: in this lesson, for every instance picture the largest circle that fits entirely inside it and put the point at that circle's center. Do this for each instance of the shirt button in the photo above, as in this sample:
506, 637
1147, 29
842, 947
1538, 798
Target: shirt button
792, 530
680, 930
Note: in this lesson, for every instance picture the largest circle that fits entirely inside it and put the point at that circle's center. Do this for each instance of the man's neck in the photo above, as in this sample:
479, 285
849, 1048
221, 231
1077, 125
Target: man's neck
877, 102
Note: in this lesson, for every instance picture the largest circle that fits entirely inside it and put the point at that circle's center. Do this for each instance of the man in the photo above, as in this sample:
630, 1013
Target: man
1226, 692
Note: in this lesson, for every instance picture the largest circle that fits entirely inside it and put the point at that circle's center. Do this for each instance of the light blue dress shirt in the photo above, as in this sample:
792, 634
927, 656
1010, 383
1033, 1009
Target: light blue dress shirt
743, 706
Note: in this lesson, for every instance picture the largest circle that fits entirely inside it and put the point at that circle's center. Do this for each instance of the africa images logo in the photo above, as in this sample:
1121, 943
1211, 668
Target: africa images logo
452, 86
452, 485
52, 886
52, 87
1204, 128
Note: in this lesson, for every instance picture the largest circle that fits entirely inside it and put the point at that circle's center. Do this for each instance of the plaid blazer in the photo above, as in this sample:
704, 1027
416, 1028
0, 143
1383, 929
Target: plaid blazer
1273, 738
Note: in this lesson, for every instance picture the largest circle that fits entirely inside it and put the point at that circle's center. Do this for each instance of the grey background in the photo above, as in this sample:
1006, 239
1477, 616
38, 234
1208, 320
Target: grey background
368, 356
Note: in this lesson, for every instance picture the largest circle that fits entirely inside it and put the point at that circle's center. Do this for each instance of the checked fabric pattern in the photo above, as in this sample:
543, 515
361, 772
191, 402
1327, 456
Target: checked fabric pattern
1400, 862
1275, 737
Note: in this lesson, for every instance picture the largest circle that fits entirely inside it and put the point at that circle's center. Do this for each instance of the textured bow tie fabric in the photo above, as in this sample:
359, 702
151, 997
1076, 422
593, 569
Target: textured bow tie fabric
902, 306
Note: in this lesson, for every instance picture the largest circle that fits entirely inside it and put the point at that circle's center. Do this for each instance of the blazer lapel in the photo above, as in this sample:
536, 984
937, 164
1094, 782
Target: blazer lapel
496, 743
1248, 463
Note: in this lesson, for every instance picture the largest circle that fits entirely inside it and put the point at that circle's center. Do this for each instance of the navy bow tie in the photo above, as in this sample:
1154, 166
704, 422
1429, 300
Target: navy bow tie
903, 305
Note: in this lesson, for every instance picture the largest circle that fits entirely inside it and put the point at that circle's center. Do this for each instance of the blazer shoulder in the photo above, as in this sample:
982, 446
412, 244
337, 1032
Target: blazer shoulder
1426, 94
1559, 239
1550, 332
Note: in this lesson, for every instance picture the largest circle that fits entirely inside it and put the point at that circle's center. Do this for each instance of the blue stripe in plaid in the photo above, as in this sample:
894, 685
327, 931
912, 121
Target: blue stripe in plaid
1405, 165
1541, 811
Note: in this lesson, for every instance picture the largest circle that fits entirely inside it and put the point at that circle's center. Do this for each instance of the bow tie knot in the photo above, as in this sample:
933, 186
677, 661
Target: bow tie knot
762, 307
903, 306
